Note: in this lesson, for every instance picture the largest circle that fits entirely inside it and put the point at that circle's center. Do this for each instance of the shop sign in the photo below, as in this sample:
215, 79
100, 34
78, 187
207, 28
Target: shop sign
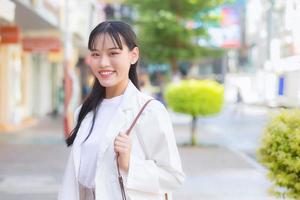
9, 34
41, 44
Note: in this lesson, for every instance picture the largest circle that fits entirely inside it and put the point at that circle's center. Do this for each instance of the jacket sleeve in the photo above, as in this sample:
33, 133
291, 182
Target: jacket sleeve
69, 184
161, 171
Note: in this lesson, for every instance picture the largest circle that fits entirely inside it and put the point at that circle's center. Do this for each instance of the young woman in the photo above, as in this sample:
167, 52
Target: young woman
148, 158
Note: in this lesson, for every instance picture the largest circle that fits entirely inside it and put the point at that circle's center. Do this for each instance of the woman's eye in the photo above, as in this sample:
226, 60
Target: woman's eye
95, 54
114, 53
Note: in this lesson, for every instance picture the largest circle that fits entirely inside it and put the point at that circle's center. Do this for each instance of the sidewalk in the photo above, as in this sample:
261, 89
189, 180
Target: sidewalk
33, 161
221, 168
218, 173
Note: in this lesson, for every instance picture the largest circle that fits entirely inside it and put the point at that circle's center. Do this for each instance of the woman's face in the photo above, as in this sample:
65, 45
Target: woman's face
110, 64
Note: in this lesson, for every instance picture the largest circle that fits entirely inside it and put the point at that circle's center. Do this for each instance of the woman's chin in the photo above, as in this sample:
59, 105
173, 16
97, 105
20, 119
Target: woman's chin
106, 83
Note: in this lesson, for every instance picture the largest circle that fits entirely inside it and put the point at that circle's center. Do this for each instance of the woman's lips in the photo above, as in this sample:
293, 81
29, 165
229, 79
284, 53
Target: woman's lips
106, 74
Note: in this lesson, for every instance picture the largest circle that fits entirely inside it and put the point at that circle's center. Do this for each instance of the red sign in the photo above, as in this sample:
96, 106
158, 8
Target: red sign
9, 34
41, 44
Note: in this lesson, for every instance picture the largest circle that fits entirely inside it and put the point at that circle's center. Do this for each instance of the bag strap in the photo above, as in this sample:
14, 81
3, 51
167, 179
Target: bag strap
137, 117
120, 178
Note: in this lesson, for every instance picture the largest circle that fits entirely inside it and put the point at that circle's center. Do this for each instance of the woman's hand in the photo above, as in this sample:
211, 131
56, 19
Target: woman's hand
122, 147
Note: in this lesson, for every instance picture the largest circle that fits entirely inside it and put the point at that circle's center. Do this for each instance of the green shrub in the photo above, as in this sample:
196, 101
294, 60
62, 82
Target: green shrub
196, 98
280, 152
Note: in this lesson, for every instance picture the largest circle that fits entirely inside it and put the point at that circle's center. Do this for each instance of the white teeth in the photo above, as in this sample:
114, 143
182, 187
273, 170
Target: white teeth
106, 73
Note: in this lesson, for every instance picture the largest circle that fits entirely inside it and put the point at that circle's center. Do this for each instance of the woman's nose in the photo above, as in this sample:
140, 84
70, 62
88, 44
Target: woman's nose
104, 61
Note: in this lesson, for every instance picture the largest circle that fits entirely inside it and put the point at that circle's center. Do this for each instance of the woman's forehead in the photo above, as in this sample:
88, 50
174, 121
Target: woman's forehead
105, 41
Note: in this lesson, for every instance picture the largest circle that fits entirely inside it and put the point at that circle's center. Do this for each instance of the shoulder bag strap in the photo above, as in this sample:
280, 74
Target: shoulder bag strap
128, 133
137, 117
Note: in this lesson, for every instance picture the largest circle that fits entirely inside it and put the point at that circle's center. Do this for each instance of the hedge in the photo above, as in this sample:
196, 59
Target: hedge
280, 152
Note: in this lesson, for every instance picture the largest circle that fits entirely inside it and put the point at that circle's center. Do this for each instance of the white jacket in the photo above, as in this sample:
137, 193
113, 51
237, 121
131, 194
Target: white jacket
155, 166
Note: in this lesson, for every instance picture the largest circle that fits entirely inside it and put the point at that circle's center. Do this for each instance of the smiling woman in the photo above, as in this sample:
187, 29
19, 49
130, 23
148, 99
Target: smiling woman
148, 159
110, 63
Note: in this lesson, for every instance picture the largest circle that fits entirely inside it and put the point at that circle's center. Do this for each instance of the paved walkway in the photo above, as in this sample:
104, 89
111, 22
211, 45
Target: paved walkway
218, 173
32, 162
223, 167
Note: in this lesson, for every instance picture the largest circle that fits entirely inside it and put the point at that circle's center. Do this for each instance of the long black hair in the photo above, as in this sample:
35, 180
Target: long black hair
116, 30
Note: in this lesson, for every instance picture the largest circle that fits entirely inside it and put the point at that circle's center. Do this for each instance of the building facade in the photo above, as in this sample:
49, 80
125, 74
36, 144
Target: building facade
41, 42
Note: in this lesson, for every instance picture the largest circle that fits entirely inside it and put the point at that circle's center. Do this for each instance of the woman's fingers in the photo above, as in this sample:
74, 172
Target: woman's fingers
122, 143
122, 147
122, 137
121, 150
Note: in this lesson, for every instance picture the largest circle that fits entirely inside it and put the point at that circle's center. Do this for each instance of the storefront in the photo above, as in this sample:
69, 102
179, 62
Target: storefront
29, 77
11, 76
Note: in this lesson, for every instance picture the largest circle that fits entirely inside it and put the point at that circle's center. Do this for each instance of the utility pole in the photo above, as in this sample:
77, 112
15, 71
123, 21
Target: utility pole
68, 112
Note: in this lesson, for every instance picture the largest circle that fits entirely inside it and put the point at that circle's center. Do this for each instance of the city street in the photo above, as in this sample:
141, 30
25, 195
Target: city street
235, 62
33, 160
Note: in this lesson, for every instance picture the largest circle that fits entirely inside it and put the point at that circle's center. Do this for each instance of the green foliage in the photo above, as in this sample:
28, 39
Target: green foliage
195, 97
163, 32
280, 152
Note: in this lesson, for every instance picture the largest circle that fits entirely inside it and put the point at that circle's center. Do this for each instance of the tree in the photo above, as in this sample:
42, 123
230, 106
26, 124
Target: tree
196, 98
169, 29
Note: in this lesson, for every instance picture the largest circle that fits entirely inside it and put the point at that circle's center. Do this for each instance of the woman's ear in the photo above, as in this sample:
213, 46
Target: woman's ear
135, 53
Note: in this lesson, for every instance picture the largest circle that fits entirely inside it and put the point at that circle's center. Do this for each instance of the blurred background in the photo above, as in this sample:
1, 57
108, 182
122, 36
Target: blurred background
235, 62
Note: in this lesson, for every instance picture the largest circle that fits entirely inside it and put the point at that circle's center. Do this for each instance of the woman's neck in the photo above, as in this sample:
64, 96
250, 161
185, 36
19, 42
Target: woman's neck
117, 90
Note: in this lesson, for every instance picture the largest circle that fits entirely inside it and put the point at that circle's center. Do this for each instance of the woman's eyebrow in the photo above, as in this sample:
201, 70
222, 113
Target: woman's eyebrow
112, 48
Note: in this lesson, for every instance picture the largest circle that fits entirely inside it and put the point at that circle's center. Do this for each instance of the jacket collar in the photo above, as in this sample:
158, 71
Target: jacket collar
130, 95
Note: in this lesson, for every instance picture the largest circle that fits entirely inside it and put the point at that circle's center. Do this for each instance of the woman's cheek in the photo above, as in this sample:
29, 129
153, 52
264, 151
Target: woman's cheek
93, 69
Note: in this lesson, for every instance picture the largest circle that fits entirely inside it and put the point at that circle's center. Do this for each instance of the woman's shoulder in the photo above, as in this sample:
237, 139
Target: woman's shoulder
154, 105
76, 113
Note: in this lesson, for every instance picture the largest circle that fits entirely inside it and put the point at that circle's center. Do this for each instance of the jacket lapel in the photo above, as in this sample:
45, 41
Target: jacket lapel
119, 123
121, 119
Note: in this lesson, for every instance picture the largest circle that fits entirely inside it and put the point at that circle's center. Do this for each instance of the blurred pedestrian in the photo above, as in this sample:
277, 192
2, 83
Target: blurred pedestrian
148, 158
239, 102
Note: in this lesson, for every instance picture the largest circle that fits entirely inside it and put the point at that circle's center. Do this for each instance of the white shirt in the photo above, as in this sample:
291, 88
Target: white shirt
90, 148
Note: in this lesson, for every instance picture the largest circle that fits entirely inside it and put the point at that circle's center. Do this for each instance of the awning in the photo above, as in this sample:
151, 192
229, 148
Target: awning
28, 19
7, 11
